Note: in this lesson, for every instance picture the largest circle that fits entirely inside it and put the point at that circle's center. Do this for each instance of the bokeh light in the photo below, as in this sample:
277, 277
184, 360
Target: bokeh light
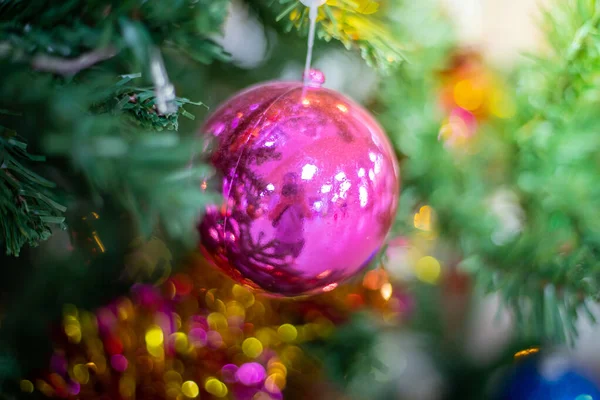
177, 342
215, 387
190, 389
428, 269
252, 347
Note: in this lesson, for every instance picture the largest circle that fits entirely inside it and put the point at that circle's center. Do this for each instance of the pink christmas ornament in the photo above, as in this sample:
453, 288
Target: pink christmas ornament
311, 187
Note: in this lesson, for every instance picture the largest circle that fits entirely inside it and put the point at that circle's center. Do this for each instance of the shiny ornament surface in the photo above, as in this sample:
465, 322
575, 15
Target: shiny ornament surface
311, 187
547, 378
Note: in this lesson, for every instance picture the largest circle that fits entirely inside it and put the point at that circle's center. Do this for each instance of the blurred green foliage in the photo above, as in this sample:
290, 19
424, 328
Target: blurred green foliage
545, 155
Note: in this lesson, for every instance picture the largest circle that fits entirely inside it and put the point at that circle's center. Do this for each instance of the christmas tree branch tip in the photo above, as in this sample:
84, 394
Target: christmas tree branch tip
354, 23
28, 206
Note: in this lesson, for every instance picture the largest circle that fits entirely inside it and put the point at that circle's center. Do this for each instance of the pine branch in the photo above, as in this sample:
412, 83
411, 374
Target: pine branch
28, 208
352, 22
70, 67
150, 173
140, 104
68, 38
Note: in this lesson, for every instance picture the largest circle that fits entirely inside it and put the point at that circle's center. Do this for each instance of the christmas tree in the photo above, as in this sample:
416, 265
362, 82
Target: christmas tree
126, 192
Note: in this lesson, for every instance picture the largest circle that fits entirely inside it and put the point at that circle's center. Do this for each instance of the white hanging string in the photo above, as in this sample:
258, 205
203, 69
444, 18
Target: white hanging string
313, 8
164, 89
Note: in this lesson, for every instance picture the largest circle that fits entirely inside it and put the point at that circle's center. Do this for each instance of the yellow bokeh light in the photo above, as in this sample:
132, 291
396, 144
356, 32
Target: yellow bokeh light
266, 336
386, 291
220, 306
235, 309
275, 382
215, 387
243, 295
190, 389
252, 347
154, 336
428, 269
217, 321
73, 331
277, 366
81, 373
467, 95
26, 386
89, 323
180, 342
422, 219
287, 332
526, 352
156, 351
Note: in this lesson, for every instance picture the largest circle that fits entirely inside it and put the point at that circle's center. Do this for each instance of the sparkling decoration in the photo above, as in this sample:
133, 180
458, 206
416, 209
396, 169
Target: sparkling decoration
84, 234
311, 187
539, 377
200, 336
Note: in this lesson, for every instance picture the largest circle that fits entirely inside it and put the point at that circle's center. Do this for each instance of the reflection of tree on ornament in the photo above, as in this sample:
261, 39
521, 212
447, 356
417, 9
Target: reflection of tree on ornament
288, 217
234, 239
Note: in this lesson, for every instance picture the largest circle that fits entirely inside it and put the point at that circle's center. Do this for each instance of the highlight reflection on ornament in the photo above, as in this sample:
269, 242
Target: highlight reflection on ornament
311, 188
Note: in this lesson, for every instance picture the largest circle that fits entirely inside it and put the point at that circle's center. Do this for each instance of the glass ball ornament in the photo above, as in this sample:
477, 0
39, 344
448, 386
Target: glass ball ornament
311, 186
546, 377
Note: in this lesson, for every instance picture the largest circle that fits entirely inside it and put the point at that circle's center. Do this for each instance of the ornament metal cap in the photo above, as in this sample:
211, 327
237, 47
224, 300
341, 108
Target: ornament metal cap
314, 78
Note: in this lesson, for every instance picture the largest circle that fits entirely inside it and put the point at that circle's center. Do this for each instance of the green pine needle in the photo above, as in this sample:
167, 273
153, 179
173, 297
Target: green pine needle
28, 210
157, 176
